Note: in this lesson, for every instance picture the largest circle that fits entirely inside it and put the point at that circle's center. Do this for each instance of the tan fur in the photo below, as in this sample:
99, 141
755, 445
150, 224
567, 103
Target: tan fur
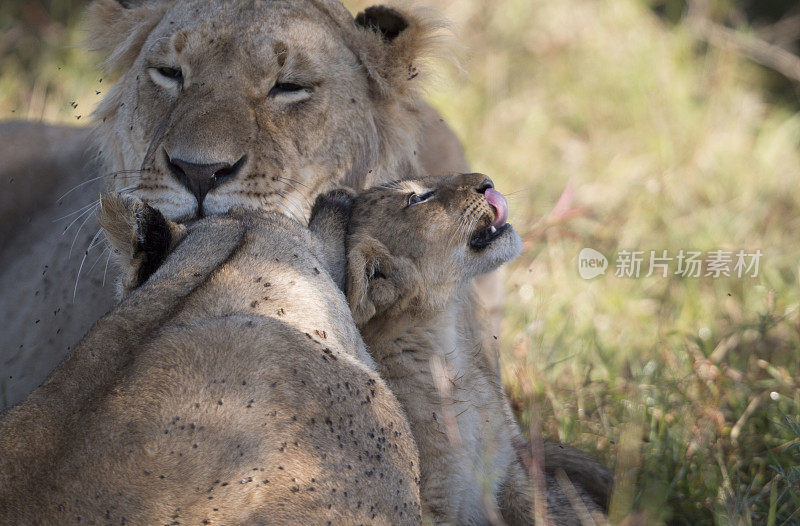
232, 387
409, 287
118, 219
360, 122
364, 123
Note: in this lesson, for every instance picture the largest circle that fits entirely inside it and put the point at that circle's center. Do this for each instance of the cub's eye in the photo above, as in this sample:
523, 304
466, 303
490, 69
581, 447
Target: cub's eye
419, 198
167, 76
290, 90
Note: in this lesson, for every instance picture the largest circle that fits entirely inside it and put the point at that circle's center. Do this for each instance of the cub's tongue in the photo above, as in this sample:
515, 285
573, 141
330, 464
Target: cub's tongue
498, 202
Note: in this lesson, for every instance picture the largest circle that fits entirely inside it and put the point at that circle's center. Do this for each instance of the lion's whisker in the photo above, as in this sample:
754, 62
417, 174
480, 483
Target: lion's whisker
88, 216
79, 210
78, 277
127, 188
127, 173
290, 211
103, 253
92, 245
295, 200
288, 181
88, 210
290, 200
108, 259
292, 215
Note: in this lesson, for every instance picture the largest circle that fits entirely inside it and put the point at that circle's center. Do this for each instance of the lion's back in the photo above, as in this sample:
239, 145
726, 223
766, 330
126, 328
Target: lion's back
242, 419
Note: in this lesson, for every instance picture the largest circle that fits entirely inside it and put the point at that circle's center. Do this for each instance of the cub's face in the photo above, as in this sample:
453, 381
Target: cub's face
412, 241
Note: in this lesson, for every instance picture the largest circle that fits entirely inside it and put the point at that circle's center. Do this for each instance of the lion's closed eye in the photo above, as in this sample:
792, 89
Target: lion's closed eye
290, 91
169, 77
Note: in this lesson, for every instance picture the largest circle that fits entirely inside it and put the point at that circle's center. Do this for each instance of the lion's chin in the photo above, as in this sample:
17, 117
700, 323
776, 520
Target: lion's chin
175, 209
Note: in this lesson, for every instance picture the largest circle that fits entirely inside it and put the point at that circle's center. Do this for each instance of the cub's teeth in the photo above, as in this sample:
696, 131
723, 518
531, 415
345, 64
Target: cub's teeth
492, 229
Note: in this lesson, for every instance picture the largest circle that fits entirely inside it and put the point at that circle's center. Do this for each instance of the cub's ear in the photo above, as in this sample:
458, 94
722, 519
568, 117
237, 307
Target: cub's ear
331, 211
330, 218
397, 44
377, 280
139, 235
120, 28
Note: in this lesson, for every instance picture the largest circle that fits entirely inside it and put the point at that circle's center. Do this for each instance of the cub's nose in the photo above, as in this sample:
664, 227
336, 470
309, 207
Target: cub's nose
484, 185
202, 178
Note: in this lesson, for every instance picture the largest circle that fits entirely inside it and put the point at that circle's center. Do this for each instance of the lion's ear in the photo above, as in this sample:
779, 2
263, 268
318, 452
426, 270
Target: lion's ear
139, 235
385, 20
120, 28
376, 279
397, 45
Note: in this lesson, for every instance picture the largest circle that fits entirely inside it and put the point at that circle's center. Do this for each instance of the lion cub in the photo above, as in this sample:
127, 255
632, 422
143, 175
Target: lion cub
413, 248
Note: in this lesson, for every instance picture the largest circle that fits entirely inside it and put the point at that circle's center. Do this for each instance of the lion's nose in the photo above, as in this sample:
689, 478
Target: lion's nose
202, 178
484, 185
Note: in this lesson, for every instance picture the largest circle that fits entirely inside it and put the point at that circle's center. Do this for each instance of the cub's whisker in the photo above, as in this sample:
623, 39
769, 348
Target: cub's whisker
461, 224
464, 229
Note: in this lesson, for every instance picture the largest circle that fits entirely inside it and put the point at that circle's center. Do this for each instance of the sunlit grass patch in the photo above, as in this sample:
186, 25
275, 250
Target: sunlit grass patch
669, 147
44, 73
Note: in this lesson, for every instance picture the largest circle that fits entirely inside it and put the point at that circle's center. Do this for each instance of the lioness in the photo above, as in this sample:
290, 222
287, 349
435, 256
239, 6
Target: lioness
231, 386
262, 104
413, 248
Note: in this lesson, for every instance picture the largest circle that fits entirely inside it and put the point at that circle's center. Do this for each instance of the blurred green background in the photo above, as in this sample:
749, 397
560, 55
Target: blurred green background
653, 136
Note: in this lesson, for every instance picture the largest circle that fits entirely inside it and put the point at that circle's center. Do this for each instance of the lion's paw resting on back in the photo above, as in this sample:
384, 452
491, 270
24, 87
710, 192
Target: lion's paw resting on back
413, 248
229, 386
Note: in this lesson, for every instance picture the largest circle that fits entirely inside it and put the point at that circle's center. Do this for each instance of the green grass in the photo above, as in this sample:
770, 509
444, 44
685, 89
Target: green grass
669, 146
44, 73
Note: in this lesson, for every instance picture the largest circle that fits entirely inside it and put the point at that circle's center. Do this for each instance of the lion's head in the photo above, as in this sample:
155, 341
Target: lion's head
411, 242
262, 104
